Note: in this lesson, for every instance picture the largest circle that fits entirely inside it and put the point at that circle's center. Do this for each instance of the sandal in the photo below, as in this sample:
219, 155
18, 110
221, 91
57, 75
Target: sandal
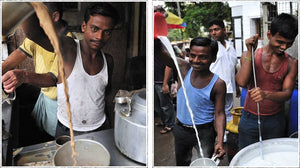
159, 124
166, 130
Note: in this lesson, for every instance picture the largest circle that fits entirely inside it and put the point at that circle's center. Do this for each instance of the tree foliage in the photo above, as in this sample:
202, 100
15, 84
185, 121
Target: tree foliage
198, 14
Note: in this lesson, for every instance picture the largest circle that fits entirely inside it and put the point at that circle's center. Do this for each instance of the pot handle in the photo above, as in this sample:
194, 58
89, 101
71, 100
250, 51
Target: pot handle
215, 159
9, 96
125, 105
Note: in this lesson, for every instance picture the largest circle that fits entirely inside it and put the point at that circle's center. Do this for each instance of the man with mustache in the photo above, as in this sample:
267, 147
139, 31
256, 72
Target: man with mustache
206, 95
275, 75
224, 66
88, 72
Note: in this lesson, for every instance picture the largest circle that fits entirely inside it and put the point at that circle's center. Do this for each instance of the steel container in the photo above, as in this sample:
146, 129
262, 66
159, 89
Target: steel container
130, 126
88, 153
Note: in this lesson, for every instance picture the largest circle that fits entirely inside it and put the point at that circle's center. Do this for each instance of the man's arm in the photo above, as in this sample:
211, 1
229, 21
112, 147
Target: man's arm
14, 78
184, 67
108, 90
110, 66
11, 79
167, 76
244, 74
162, 53
287, 87
13, 60
218, 96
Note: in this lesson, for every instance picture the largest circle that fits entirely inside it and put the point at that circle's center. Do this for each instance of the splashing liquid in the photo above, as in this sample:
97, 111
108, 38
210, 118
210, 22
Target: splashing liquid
168, 46
47, 25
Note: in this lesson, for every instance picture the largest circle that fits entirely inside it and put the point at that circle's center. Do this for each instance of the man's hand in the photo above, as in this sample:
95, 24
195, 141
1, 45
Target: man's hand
257, 95
12, 79
252, 42
165, 89
219, 150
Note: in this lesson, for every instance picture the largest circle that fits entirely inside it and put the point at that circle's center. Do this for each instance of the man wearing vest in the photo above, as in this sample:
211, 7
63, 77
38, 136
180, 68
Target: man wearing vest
275, 75
206, 95
88, 72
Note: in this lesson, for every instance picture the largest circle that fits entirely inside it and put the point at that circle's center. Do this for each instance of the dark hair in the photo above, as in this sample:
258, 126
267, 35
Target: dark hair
55, 6
286, 25
216, 22
159, 8
206, 42
104, 9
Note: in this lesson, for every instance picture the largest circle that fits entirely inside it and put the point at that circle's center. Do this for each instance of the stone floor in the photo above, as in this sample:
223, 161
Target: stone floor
164, 151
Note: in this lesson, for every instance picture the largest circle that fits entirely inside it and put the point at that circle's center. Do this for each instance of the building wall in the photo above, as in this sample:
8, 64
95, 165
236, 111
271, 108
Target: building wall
248, 11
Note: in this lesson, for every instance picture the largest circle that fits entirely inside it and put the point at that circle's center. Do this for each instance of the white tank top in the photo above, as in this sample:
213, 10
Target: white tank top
87, 93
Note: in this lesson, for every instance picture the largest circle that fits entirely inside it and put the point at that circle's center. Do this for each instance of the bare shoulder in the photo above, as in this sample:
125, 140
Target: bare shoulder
292, 64
184, 66
219, 90
292, 61
69, 48
220, 86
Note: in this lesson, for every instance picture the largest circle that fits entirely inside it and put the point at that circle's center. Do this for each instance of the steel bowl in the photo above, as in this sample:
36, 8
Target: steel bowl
88, 153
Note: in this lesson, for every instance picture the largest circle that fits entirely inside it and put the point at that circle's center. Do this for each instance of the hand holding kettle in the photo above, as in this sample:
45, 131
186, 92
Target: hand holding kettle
219, 150
12, 79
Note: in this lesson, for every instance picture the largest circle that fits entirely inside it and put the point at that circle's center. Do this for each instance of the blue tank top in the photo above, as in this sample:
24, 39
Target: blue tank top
199, 99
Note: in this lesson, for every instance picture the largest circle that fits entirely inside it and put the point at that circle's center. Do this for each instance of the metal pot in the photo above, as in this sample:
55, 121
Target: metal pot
276, 152
130, 126
213, 162
89, 153
8, 97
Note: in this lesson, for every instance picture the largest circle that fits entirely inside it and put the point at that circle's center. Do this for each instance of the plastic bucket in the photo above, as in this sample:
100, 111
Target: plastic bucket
293, 113
243, 96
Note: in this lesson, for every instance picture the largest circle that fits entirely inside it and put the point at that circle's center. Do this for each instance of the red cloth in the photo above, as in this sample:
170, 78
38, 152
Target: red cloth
160, 25
266, 81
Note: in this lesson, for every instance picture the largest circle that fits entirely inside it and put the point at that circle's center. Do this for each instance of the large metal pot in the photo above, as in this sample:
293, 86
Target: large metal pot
89, 153
276, 152
130, 126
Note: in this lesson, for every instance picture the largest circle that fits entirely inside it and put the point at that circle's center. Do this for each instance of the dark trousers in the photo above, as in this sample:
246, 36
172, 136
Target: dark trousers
185, 140
163, 105
63, 130
271, 127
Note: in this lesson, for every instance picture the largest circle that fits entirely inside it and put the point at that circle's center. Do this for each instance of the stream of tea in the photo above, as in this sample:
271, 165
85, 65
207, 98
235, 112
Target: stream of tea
47, 25
168, 46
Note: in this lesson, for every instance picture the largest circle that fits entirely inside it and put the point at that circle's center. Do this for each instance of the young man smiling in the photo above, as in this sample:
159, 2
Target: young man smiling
275, 75
206, 96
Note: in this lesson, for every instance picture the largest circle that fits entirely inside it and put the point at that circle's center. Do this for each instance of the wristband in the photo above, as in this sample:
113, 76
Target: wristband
250, 59
54, 77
